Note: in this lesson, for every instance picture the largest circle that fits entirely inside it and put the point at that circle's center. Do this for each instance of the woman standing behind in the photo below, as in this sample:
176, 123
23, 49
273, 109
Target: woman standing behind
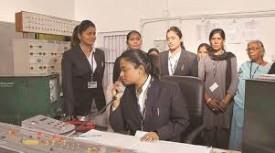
153, 53
177, 60
134, 41
219, 73
256, 65
82, 73
203, 50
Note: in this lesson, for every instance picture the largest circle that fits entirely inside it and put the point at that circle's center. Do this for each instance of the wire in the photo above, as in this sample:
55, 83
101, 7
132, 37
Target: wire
102, 109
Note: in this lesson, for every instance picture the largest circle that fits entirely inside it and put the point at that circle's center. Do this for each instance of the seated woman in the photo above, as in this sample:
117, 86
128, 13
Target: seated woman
147, 104
257, 65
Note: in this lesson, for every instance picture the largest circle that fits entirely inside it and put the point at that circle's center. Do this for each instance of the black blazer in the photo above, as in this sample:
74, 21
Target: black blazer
272, 69
76, 72
187, 64
165, 109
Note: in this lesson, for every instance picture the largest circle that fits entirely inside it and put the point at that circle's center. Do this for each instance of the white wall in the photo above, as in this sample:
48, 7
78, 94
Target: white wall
265, 32
115, 15
184, 7
120, 15
8, 8
59, 8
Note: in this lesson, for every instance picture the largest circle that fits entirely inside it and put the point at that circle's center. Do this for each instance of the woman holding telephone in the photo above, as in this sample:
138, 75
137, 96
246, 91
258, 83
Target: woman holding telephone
147, 104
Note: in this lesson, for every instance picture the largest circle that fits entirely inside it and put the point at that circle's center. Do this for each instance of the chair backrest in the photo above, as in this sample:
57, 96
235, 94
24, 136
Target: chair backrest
192, 89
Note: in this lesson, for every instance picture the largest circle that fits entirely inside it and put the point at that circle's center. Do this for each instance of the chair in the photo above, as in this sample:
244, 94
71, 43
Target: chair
193, 91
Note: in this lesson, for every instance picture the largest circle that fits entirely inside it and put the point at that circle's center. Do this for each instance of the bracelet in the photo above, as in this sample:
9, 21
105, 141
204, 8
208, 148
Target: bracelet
208, 100
113, 108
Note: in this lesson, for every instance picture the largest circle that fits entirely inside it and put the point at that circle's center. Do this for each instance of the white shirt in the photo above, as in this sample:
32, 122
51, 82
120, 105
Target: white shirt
92, 62
173, 62
143, 95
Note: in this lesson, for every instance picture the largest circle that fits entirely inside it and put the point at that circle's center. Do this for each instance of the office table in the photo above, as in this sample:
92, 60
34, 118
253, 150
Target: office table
134, 143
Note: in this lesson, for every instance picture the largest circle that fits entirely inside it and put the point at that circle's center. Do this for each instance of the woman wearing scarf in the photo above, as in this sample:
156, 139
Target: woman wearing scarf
219, 73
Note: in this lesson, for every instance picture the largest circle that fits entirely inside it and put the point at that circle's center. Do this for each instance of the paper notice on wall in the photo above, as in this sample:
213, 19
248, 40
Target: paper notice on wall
203, 30
251, 31
233, 32
161, 45
200, 33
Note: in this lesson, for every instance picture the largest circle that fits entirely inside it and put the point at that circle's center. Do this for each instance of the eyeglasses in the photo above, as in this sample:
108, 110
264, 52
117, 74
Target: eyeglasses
254, 48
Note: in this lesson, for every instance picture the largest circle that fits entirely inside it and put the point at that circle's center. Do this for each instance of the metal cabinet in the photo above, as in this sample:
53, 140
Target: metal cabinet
24, 96
38, 57
259, 121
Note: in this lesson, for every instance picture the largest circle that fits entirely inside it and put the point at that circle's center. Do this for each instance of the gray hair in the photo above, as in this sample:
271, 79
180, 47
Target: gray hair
259, 43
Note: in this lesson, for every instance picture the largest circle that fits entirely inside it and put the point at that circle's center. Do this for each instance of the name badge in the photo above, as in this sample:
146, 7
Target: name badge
213, 87
92, 84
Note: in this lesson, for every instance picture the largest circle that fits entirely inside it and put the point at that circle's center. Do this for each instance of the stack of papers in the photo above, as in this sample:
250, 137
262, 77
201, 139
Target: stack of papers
270, 77
134, 143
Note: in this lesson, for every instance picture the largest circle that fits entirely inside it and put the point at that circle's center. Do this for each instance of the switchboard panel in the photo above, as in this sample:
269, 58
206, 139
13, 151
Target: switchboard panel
38, 57
15, 139
48, 124
39, 23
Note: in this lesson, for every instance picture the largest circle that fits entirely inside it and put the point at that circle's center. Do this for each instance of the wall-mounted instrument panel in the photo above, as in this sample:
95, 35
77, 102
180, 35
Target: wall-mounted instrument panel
39, 23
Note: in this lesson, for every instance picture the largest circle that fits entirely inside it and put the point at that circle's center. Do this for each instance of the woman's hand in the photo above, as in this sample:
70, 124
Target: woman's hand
150, 137
215, 106
225, 102
117, 92
223, 105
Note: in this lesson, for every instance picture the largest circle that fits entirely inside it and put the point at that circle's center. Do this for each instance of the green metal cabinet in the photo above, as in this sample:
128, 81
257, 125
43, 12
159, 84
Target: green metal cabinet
22, 97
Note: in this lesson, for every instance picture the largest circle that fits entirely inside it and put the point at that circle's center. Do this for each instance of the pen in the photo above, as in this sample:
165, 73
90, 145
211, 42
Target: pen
93, 135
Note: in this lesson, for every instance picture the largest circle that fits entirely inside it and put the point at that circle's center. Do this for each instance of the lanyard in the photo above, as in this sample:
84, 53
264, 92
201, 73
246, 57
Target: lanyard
92, 63
91, 67
252, 75
214, 64
172, 68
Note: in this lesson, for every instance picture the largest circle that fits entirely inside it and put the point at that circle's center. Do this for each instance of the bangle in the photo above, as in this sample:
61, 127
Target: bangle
208, 100
113, 108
